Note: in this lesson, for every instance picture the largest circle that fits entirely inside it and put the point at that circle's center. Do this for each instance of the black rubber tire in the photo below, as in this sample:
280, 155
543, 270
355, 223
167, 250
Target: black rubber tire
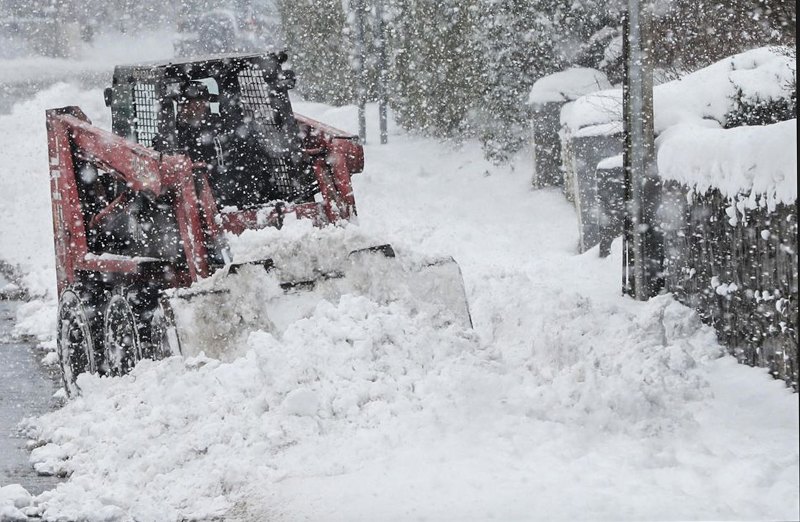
74, 341
122, 346
163, 334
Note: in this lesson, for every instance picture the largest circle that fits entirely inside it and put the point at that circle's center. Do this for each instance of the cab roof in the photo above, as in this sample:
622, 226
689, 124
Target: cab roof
188, 68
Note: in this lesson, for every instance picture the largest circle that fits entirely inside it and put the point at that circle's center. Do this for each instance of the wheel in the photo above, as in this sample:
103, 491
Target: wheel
74, 341
122, 347
164, 341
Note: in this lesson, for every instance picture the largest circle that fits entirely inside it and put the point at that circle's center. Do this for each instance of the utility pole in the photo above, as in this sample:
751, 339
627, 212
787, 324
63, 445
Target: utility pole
380, 24
642, 249
359, 6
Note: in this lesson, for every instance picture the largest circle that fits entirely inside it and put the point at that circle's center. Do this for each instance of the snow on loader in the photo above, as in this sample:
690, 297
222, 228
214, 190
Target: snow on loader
202, 152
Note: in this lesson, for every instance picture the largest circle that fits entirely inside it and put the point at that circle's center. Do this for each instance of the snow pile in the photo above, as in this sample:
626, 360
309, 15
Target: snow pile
199, 438
567, 85
198, 435
299, 250
15, 503
319, 264
759, 161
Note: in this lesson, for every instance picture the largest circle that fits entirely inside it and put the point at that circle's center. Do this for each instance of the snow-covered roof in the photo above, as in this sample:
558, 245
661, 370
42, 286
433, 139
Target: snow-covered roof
758, 160
567, 85
706, 94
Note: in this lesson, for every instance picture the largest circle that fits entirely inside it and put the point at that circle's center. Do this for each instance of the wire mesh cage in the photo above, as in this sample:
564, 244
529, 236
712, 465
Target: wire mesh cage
255, 94
146, 113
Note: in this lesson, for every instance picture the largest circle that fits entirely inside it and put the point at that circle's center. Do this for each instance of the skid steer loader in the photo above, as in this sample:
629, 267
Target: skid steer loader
200, 153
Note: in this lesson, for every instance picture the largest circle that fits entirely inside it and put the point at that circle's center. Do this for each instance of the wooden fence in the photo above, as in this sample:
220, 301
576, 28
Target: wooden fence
735, 262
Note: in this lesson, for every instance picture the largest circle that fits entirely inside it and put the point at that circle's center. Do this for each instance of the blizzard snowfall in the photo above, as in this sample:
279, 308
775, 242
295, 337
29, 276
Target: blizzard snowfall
565, 402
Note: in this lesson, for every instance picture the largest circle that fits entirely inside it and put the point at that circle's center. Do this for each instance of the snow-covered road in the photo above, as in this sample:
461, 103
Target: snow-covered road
566, 402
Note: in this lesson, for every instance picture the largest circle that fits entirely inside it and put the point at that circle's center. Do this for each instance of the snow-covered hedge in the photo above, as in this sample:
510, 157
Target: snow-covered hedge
709, 96
735, 261
729, 206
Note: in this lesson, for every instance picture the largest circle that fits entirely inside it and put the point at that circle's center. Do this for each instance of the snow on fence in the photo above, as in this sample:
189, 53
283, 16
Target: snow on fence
729, 221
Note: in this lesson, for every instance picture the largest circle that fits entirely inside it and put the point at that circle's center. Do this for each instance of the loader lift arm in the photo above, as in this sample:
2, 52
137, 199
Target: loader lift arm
73, 140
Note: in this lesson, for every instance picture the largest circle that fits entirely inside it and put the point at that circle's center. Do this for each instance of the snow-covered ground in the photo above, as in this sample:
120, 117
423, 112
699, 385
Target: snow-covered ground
99, 58
566, 401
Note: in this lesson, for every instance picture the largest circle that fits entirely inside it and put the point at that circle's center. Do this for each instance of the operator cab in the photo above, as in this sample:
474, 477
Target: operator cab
230, 114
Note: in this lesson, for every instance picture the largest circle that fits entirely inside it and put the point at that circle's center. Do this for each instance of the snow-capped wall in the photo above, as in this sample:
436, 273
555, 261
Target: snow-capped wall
601, 109
744, 160
546, 98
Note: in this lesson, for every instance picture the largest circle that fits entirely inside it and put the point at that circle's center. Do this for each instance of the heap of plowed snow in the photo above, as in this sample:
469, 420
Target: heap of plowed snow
198, 438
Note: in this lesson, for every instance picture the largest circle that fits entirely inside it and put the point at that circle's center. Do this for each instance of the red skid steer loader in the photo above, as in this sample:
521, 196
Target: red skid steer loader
201, 152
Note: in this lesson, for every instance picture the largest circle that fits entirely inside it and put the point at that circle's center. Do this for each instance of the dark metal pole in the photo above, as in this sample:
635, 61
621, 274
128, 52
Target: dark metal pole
628, 287
639, 157
382, 71
361, 89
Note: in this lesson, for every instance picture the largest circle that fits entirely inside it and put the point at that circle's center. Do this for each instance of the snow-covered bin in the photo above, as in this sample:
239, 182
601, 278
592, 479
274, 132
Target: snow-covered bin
729, 220
585, 143
548, 95
610, 178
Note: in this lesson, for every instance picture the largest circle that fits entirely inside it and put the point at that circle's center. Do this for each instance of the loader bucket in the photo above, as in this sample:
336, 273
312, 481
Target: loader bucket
216, 316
